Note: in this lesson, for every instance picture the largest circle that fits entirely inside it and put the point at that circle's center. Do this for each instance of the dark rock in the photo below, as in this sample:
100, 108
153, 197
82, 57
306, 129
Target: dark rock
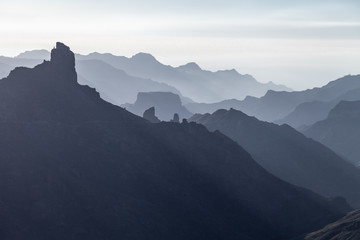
149, 115
176, 118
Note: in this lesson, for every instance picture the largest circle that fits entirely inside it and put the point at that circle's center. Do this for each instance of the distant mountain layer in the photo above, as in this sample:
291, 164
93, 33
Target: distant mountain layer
288, 154
340, 131
165, 103
347, 228
309, 113
7, 64
200, 85
278, 105
116, 84
73, 166
113, 84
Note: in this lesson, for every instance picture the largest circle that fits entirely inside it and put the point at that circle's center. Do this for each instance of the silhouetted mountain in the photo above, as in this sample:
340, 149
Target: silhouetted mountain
7, 64
149, 115
277, 105
166, 104
4, 69
309, 113
189, 79
340, 131
73, 166
115, 83
288, 154
35, 54
347, 228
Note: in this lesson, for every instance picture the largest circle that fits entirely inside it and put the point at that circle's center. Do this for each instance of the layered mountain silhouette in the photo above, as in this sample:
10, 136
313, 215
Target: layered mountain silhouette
115, 83
346, 228
73, 166
200, 85
340, 131
288, 154
35, 54
275, 105
189, 79
7, 64
166, 104
149, 114
309, 113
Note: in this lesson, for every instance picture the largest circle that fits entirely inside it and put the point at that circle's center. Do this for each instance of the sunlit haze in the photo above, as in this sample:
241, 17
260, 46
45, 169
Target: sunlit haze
301, 44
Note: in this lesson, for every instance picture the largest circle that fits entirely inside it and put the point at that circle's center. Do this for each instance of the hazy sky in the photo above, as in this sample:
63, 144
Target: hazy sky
298, 43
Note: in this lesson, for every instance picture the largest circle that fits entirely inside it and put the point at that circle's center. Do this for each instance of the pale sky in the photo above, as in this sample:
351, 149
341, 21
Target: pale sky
301, 44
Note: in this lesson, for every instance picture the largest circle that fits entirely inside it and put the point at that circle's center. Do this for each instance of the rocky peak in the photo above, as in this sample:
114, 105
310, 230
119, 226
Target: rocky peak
144, 58
190, 67
149, 115
62, 56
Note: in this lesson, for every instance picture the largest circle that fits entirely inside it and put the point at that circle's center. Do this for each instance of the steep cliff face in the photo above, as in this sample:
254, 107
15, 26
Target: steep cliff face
73, 166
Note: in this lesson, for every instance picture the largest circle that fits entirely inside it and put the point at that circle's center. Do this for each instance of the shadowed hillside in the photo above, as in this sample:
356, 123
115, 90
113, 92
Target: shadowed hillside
73, 166
288, 154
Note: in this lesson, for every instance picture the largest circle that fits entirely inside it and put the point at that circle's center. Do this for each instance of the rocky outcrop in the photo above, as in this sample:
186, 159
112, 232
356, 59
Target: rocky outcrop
176, 118
166, 104
149, 115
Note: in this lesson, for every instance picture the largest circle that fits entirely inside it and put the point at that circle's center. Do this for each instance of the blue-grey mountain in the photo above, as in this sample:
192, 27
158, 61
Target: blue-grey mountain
73, 166
340, 131
288, 154
276, 105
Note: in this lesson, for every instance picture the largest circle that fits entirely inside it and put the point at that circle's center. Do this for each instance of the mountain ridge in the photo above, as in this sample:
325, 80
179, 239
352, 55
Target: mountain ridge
340, 130
288, 154
76, 167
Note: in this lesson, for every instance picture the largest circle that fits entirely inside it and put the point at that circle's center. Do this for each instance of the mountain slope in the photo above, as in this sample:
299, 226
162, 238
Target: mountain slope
288, 154
340, 131
7, 64
73, 166
309, 113
275, 105
346, 228
115, 83
200, 85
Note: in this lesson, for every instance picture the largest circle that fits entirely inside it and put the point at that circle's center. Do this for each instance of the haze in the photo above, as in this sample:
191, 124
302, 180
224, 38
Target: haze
300, 44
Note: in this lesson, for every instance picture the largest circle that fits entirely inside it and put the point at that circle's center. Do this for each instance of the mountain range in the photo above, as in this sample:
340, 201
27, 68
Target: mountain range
296, 108
288, 154
340, 131
188, 80
73, 166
